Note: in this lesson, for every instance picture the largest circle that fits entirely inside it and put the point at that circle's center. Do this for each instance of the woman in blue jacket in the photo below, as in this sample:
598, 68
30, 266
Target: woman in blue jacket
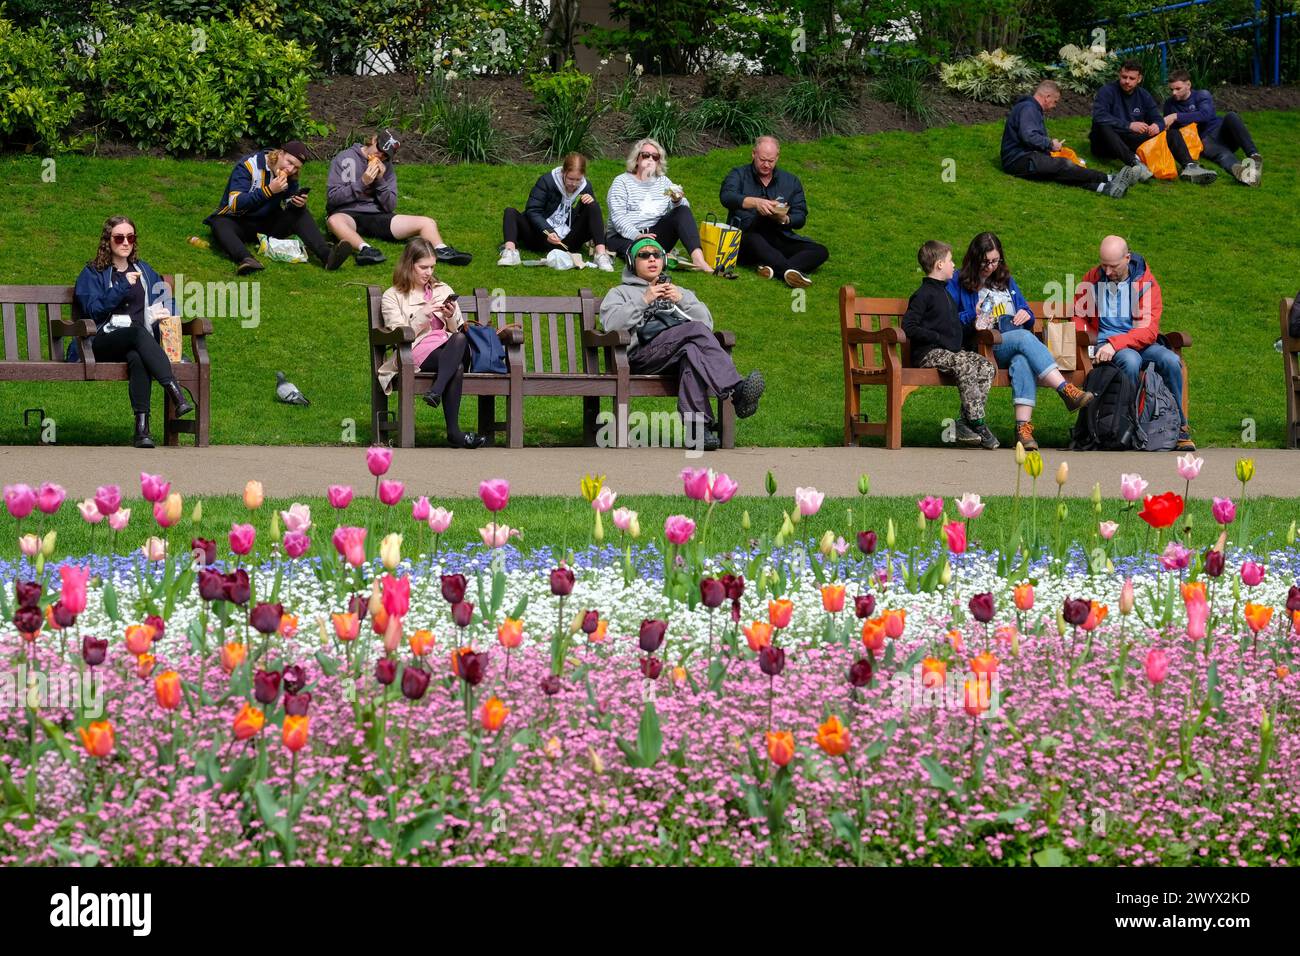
125, 298
987, 298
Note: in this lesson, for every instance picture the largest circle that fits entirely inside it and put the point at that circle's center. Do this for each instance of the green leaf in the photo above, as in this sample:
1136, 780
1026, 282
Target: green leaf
109, 599
1052, 856
649, 740
234, 777
60, 741
717, 671
1018, 812
1047, 744
269, 808
845, 827
328, 665
939, 777
423, 828
498, 592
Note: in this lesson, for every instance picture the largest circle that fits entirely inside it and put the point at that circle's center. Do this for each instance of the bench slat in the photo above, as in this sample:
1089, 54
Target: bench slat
553, 328
11, 332
31, 312
537, 342
573, 348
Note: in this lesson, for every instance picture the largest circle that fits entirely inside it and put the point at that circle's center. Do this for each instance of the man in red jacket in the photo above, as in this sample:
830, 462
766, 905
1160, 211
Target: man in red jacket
1118, 304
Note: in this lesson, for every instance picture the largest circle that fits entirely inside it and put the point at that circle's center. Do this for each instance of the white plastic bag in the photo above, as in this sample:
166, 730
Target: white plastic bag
281, 250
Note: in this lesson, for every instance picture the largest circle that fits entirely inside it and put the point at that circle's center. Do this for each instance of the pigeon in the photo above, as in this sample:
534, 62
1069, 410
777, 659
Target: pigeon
287, 392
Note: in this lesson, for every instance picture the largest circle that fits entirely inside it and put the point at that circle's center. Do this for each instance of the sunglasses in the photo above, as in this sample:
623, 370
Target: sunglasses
649, 156
125, 240
649, 254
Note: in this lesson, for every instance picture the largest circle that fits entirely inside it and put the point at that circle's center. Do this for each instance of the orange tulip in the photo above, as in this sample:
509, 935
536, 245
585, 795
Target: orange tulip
346, 626
934, 672
97, 738
167, 690
1190, 590
1283, 672
1023, 595
598, 635
493, 714
379, 620
510, 633
833, 737
780, 611
138, 638
873, 633
144, 666
455, 659
248, 722
288, 625
758, 634
1096, 614
894, 622
780, 747
833, 597
232, 655
977, 695
985, 665
679, 675
954, 638
1295, 622
294, 733
1005, 633
421, 641
1258, 616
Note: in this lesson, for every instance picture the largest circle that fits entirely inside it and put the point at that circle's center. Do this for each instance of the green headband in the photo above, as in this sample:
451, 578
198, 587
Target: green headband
641, 244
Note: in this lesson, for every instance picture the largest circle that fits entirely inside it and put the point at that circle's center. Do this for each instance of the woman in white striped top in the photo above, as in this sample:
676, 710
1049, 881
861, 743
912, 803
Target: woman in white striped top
644, 203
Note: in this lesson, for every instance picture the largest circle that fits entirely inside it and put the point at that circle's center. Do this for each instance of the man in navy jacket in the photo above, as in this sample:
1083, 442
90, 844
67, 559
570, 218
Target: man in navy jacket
1221, 136
753, 195
1124, 116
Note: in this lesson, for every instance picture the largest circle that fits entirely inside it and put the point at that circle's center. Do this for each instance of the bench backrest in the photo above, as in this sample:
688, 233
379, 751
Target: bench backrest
28, 313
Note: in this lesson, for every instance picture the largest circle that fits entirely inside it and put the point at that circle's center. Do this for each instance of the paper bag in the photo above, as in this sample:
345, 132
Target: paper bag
169, 333
1059, 339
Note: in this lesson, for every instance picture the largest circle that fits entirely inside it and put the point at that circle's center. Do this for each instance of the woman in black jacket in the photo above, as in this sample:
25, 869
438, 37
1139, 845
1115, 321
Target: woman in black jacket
561, 213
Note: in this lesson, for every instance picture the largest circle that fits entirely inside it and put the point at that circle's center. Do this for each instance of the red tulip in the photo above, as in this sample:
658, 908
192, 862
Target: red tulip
1160, 511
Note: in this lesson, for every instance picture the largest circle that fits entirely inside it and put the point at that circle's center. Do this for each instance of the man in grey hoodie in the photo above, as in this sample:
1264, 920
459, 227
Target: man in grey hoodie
670, 327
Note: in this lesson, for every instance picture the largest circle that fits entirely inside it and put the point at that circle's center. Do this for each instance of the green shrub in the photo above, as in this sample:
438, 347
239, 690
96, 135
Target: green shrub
459, 126
822, 105
569, 109
658, 116
37, 102
728, 110
996, 77
903, 84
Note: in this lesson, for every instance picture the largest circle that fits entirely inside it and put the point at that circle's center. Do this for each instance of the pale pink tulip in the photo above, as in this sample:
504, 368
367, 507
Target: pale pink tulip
678, 529
297, 518
154, 549
1189, 466
969, 506
1107, 529
1175, 557
29, 545
496, 536
118, 519
623, 518
1131, 487
89, 512
440, 520
604, 501
495, 494
809, 501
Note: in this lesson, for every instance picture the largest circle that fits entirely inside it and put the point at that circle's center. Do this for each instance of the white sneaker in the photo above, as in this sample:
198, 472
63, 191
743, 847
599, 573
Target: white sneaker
1250, 175
1143, 172
509, 257
603, 262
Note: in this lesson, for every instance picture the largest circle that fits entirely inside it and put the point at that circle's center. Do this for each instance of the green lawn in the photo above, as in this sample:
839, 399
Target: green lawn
873, 199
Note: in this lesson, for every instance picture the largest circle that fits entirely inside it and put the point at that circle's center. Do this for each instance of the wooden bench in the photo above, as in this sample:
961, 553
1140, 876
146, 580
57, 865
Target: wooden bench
876, 352
34, 351
553, 347
1291, 366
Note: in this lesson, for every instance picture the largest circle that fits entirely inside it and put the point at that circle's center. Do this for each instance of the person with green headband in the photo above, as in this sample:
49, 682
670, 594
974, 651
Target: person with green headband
671, 328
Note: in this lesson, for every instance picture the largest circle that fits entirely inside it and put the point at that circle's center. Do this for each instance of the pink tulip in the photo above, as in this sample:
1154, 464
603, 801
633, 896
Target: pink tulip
340, 496
29, 545
623, 518
1175, 557
679, 528
1131, 487
809, 501
724, 488
1198, 612
296, 544
161, 515
297, 518
390, 492
1189, 466
379, 460
118, 519
50, 497
496, 535
440, 520
153, 488
695, 483
1251, 574
20, 500
495, 493
931, 507
841, 546
1107, 529
420, 508
956, 532
1127, 599
1157, 665
350, 543
89, 512
73, 594
108, 498
154, 549
396, 595
241, 538
969, 506
604, 501
1224, 511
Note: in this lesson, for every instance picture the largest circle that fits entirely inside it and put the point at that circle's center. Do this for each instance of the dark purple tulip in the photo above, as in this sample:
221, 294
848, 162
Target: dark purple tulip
265, 618
359, 604
712, 592
1076, 611
863, 605
212, 585
266, 686
453, 588
27, 593
236, 587
651, 667
207, 547
386, 670
1214, 566
734, 585
860, 672
867, 541
472, 666
28, 619
158, 624
1293, 598
62, 616
590, 621
462, 613
93, 650
652, 634
295, 705
981, 607
294, 679
771, 660
415, 681
551, 685
561, 581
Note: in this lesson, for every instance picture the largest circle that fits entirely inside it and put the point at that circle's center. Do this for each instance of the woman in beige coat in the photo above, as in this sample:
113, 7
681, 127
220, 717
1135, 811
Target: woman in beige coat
419, 301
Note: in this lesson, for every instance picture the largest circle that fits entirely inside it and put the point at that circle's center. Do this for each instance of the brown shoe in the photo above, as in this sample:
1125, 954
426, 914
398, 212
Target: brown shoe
1075, 397
1185, 442
1025, 435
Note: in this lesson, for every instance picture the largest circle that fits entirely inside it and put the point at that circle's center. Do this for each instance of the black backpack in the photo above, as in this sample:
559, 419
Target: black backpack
1107, 423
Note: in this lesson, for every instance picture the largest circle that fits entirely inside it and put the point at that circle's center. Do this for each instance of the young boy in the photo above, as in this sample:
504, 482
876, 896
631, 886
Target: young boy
935, 331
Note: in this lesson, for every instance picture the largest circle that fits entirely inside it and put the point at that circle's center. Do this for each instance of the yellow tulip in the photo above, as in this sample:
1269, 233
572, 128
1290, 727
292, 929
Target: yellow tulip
598, 532
1245, 469
1096, 494
1020, 453
591, 487
889, 534
197, 514
827, 544
172, 508
1062, 473
390, 551
1033, 464
634, 526
744, 520
275, 526
945, 576
253, 495
47, 544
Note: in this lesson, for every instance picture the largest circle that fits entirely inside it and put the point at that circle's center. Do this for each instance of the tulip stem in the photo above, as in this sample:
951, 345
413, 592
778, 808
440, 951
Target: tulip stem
293, 784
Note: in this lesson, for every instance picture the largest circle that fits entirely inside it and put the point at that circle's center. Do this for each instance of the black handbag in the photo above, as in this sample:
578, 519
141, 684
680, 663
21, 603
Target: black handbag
658, 322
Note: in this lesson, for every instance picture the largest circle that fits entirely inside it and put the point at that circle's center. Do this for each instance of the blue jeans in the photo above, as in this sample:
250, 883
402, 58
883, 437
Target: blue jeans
1168, 366
1026, 360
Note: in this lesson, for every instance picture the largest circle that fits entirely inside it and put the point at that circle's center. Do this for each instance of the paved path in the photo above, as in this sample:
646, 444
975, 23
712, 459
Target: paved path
296, 471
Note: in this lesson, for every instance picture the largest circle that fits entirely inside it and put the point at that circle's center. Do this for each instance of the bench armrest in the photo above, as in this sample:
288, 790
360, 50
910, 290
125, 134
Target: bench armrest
726, 339
400, 336
988, 337
199, 326
890, 335
603, 340
81, 328
1178, 340
511, 335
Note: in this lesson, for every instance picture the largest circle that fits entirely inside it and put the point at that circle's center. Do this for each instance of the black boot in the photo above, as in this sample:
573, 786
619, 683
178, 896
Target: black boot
183, 404
142, 437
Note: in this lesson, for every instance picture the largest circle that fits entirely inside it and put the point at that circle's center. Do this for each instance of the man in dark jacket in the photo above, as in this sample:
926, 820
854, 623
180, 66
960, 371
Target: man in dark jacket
767, 204
361, 199
1124, 116
1221, 136
1027, 149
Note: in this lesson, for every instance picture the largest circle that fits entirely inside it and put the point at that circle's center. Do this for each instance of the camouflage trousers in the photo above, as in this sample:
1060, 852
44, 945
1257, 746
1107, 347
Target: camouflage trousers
974, 374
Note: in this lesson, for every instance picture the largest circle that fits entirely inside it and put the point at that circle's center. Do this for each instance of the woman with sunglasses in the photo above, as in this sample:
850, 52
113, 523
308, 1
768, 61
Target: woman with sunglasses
125, 298
561, 213
988, 298
645, 204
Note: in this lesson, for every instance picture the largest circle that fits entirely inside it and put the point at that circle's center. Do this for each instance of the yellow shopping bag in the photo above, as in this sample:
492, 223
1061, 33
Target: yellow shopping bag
1155, 152
720, 244
1066, 153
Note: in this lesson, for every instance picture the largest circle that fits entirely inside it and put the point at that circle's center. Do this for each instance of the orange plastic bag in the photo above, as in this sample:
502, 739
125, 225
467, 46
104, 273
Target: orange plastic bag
1155, 152
1066, 153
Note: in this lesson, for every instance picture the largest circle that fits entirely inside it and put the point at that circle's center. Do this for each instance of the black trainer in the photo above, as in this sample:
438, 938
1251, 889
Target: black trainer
745, 396
986, 437
369, 256
966, 435
248, 265
471, 440
452, 256
712, 439
338, 255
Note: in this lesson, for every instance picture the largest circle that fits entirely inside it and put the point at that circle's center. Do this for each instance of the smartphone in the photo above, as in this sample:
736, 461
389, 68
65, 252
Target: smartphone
450, 299
662, 279
304, 191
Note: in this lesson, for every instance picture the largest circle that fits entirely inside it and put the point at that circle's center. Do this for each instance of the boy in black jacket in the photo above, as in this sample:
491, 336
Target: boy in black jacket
932, 326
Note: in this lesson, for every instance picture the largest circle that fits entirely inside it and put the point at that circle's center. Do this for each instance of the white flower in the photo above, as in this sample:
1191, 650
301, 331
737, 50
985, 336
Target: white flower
639, 69
452, 74
604, 62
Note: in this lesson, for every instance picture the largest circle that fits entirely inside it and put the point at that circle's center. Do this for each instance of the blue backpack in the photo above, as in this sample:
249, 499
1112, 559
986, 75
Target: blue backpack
486, 353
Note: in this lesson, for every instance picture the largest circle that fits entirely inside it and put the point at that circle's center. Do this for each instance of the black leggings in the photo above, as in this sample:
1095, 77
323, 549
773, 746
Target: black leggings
447, 362
586, 225
1221, 147
233, 233
676, 224
144, 357
766, 245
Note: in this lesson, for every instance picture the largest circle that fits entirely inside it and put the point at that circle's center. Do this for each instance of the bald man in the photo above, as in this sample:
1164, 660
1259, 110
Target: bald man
1118, 304
767, 204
